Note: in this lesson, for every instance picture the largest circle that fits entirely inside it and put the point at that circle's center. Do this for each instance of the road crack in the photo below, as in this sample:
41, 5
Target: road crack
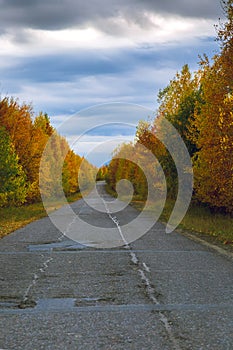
143, 270
27, 301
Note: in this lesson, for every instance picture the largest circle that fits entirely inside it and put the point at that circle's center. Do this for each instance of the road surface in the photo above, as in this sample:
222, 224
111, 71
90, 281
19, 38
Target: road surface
163, 291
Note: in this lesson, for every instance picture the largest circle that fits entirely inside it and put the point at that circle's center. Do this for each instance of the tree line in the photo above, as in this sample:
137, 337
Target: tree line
200, 106
22, 142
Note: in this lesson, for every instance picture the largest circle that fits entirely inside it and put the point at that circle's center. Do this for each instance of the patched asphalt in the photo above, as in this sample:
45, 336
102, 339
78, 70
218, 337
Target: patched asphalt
162, 291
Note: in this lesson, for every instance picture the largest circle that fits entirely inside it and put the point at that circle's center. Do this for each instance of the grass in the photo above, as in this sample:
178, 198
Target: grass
200, 219
13, 218
203, 221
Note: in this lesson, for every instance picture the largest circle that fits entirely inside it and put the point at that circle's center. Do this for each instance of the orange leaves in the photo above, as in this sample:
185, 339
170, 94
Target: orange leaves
70, 173
213, 120
29, 138
18, 123
200, 107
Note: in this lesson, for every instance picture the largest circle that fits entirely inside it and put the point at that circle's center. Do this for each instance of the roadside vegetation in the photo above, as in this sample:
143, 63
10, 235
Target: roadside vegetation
33, 156
23, 175
13, 217
200, 107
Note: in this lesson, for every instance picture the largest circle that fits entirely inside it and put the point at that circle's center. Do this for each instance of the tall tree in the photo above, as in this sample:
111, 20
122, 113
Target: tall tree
178, 101
18, 122
213, 163
12, 178
40, 132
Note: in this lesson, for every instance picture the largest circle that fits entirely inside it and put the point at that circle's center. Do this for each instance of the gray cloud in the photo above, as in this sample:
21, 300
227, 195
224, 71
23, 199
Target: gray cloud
53, 15
66, 82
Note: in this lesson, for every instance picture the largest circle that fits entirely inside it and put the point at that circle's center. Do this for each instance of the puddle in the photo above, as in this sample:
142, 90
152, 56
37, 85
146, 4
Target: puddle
56, 246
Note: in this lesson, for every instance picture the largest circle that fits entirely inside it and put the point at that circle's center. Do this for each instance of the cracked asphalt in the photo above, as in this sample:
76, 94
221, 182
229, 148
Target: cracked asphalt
162, 291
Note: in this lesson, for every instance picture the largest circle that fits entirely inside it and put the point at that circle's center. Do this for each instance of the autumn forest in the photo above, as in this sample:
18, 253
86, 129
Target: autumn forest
200, 107
198, 104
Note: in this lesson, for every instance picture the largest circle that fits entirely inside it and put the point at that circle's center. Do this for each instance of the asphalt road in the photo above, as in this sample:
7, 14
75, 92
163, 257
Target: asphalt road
163, 291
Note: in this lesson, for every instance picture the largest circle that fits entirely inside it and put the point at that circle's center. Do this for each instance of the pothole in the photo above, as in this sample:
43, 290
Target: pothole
8, 305
28, 303
16, 304
55, 304
93, 301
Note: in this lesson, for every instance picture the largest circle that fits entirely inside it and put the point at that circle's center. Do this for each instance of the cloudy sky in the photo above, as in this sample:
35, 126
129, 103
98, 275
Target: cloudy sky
70, 55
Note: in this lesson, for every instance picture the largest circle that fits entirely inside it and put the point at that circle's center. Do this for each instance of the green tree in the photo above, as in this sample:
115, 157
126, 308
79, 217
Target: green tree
178, 102
13, 188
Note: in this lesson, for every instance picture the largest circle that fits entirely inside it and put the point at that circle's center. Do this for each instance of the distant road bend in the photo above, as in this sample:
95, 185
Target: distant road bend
162, 291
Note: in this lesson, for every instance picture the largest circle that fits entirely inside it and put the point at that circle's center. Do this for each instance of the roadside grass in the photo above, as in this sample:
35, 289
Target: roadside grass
12, 218
198, 220
201, 220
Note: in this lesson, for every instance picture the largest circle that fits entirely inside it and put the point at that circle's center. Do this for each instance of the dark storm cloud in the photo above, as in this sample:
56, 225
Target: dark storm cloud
53, 14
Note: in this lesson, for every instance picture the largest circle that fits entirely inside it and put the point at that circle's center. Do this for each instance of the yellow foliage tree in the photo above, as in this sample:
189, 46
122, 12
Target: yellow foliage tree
213, 163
